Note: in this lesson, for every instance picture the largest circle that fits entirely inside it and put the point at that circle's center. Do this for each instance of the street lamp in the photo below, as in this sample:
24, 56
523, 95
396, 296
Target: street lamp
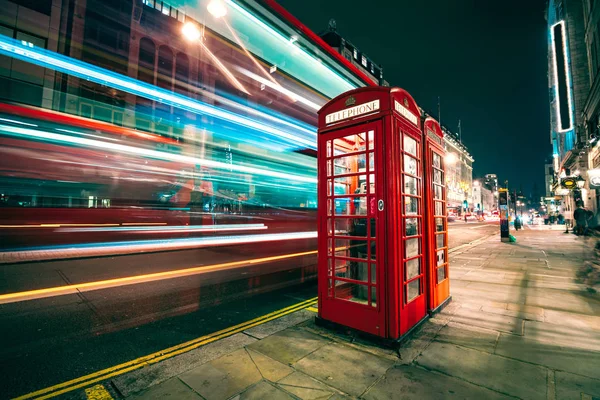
217, 8
580, 182
450, 158
190, 31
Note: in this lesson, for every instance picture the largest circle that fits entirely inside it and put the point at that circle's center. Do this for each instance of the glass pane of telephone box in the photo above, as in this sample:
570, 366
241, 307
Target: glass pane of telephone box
441, 274
440, 240
351, 227
410, 145
350, 144
410, 185
355, 270
437, 160
351, 206
411, 205
352, 292
413, 290
351, 248
410, 165
437, 177
439, 209
413, 268
411, 248
412, 226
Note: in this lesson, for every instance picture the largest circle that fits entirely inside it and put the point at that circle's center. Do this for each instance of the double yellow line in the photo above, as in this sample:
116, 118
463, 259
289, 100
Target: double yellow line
162, 355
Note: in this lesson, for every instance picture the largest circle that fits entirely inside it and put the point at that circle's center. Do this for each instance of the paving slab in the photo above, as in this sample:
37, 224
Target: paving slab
579, 321
154, 374
290, 345
305, 387
488, 320
568, 303
562, 335
270, 369
468, 336
279, 324
570, 386
347, 369
525, 308
409, 382
578, 361
515, 313
224, 377
171, 389
262, 391
511, 377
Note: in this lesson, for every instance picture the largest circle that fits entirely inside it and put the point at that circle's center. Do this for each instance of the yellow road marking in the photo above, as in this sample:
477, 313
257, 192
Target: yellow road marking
154, 358
313, 309
97, 392
131, 280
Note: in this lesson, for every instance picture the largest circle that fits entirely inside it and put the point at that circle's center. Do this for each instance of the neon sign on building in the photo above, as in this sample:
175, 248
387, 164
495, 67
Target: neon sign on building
563, 102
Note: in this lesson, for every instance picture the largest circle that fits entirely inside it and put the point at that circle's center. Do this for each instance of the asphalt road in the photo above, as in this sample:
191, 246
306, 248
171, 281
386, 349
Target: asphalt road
61, 337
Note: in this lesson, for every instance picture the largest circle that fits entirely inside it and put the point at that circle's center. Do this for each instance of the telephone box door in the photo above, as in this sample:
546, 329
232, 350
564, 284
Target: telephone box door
413, 300
441, 281
437, 221
352, 226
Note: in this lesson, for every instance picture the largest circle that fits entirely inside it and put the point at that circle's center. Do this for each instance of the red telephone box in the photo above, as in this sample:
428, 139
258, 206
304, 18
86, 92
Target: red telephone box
372, 264
436, 220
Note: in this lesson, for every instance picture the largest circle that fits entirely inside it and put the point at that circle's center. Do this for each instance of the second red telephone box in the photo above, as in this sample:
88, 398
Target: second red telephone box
436, 220
372, 261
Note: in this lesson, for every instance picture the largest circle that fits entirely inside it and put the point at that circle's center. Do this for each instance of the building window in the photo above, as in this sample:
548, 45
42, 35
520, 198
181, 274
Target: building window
146, 61
355, 54
41, 6
363, 61
165, 68
182, 73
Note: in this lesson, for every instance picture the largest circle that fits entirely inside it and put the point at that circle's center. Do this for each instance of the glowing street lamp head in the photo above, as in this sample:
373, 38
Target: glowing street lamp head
451, 158
217, 8
190, 31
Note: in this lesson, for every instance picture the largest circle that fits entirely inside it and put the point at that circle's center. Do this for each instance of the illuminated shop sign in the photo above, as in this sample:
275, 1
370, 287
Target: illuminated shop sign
405, 112
561, 77
594, 177
352, 112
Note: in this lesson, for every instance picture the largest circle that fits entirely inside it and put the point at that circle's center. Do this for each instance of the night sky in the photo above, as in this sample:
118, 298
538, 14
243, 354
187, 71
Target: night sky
487, 61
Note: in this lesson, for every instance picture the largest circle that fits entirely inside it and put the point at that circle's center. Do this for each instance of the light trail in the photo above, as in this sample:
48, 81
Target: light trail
48, 59
141, 246
144, 278
169, 229
280, 89
40, 134
224, 69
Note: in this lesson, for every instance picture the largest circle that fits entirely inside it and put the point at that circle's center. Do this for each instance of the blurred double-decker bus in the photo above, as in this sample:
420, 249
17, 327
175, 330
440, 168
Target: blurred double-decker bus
147, 119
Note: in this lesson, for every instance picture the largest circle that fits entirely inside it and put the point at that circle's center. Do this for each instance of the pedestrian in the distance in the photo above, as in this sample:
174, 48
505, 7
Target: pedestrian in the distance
580, 216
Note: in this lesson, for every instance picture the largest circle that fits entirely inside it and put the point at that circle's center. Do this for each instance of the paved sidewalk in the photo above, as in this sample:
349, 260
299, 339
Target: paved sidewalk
518, 327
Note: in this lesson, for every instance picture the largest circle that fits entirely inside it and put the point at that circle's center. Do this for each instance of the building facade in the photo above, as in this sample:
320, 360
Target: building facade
591, 112
353, 54
572, 63
483, 198
459, 174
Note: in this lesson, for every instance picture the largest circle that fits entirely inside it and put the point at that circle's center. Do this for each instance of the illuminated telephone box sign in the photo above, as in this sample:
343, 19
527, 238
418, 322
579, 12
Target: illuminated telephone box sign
352, 112
374, 252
